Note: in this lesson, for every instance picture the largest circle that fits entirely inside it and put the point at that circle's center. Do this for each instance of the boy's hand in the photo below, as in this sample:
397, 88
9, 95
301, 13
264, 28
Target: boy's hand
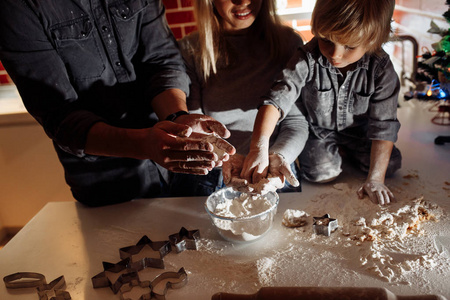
278, 167
378, 193
231, 171
255, 165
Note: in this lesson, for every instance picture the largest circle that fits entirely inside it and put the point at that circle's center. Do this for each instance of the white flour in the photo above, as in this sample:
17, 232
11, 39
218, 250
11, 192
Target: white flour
377, 246
244, 206
295, 218
386, 242
265, 185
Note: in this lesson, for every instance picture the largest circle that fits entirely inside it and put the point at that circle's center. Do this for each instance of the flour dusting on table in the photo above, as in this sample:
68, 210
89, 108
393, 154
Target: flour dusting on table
401, 246
388, 242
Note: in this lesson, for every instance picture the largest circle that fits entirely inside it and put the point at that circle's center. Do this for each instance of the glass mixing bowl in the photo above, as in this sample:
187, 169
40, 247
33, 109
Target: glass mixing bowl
242, 229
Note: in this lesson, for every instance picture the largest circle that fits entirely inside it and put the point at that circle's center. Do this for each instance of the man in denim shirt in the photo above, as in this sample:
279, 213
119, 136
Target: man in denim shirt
347, 88
97, 75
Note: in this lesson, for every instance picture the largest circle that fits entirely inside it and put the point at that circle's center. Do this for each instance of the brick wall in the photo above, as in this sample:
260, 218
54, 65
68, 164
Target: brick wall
4, 77
180, 16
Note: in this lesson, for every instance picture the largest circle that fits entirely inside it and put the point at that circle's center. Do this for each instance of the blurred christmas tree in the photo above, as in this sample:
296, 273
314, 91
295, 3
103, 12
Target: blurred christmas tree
434, 68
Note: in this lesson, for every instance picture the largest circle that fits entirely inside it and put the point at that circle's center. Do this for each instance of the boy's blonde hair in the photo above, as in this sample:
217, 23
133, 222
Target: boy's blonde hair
211, 41
364, 23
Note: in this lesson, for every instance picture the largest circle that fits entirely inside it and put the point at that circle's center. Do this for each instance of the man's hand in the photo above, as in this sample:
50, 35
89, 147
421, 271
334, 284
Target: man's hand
378, 193
177, 149
167, 143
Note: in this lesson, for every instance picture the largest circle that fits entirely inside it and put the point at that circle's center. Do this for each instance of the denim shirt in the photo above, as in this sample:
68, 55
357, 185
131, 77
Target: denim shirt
78, 62
363, 104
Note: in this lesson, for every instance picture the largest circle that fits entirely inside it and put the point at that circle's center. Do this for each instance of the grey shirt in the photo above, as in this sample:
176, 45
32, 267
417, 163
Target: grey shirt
363, 104
233, 95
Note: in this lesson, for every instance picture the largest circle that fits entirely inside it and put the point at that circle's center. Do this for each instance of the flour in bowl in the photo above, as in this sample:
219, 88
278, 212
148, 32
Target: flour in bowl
246, 205
244, 222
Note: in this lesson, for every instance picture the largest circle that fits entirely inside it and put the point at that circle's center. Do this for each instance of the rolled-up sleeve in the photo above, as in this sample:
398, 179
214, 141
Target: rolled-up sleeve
292, 135
162, 62
383, 122
289, 83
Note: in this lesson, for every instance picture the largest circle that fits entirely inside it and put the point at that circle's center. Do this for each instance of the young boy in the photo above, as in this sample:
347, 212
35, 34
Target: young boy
347, 88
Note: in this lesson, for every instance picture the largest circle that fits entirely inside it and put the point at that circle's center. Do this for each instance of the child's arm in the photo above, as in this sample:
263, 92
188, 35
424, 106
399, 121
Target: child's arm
374, 186
257, 161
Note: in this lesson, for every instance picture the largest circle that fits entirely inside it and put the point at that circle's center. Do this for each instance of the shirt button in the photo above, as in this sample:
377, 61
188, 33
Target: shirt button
340, 107
118, 64
104, 28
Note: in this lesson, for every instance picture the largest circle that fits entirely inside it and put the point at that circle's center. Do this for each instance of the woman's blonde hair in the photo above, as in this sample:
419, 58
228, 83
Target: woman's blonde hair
364, 23
211, 41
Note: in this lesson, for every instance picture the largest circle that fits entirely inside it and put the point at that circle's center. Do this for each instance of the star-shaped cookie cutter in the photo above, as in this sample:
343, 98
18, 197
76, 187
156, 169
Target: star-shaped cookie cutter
185, 239
102, 280
324, 225
163, 247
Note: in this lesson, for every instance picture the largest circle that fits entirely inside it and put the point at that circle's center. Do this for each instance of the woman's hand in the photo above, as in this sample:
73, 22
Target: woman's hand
278, 167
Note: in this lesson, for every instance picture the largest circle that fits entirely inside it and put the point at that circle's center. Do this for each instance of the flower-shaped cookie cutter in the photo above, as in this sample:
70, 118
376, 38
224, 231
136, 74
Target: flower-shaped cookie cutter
324, 225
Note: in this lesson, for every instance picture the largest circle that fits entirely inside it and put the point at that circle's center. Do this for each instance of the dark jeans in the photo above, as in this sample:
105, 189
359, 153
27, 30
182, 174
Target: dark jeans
103, 181
185, 185
321, 159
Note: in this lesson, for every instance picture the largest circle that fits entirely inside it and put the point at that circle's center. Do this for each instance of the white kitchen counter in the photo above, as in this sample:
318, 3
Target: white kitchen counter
66, 238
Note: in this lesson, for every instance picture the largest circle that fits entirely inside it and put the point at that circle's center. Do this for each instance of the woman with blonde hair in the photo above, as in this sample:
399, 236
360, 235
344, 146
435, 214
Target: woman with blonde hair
232, 61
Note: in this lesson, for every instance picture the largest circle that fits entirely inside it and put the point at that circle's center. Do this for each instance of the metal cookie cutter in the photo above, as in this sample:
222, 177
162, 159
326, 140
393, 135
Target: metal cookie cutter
38, 281
179, 279
173, 280
57, 287
163, 247
185, 239
324, 225
14, 281
101, 280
